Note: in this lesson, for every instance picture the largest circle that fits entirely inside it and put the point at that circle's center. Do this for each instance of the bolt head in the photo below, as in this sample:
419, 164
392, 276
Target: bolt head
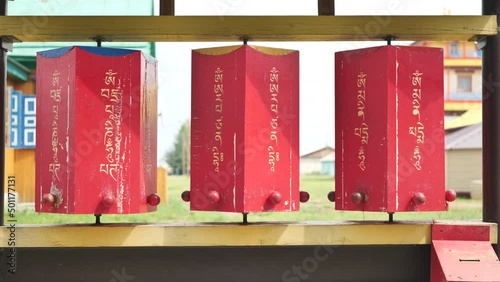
357, 198
275, 197
419, 198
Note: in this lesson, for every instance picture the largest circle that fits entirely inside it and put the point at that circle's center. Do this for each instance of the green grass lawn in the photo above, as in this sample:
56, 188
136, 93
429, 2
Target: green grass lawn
317, 209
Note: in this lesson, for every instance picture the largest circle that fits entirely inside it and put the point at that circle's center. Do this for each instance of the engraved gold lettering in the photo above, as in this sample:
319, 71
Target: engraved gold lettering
273, 155
55, 94
55, 78
417, 78
362, 131
110, 78
218, 92
54, 168
361, 80
112, 137
419, 129
362, 158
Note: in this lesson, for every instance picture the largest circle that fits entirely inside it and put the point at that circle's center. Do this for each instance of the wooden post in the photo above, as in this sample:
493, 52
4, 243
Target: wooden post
326, 7
3, 86
167, 7
491, 122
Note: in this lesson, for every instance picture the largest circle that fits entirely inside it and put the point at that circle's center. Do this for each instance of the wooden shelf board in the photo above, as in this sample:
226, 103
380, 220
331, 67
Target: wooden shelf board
256, 28
226, 234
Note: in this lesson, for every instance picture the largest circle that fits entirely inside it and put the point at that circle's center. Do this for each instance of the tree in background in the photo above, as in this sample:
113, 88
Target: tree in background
179, 157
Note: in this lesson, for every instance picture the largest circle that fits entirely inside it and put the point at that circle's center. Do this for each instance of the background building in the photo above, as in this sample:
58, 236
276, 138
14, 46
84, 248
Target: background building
311, 163
328, 164
464, 163
462, 75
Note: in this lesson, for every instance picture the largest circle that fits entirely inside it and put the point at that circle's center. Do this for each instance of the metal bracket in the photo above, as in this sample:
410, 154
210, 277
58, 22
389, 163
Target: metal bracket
8, 41
389, 39
100, 39
481, 42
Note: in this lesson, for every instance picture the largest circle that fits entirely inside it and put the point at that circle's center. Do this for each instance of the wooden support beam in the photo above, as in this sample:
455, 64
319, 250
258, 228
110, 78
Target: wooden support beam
326, 7
230, 234
3, 86
167, 7
491, 121
256, 28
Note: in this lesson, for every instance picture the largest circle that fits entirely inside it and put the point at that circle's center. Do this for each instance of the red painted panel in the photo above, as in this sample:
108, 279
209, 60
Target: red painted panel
389, 129
463, 253
460, 232
99, 153
244, 130
463, 261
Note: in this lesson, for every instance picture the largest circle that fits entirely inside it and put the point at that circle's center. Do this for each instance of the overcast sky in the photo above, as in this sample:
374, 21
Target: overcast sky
316, 91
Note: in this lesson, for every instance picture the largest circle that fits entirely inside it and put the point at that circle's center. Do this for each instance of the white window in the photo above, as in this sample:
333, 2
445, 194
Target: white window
464, 82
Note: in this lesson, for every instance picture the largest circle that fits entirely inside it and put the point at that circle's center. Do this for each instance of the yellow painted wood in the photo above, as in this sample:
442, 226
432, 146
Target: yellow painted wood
217, 51
265, 234
256, 28
161, 185
463, 62
494, 234
273, 51
9, 166
460, 106
473, 115
24, 163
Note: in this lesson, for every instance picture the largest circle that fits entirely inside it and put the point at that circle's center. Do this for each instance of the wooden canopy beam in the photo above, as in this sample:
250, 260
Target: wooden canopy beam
256, 28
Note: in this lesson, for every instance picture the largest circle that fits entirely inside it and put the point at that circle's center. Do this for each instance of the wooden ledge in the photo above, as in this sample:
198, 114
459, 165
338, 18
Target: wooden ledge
255, 28
228, 235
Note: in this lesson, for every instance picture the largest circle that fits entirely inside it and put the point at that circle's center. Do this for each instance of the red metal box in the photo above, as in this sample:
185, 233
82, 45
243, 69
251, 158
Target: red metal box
97, 123
389, 129
245, 129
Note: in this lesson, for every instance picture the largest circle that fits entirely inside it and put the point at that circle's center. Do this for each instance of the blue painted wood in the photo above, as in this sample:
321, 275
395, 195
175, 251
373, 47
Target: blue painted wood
22, 120
14, 118
29, 121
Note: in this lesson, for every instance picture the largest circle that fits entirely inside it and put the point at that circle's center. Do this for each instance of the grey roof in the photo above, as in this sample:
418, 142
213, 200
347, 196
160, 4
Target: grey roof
470, 137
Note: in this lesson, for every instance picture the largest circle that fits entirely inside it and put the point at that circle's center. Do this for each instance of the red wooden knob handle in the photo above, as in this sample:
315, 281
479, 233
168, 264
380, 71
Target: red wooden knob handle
419, 198
108, 200
154, 200
304, 196
213, 197
275, 197
450, 195
186, 196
